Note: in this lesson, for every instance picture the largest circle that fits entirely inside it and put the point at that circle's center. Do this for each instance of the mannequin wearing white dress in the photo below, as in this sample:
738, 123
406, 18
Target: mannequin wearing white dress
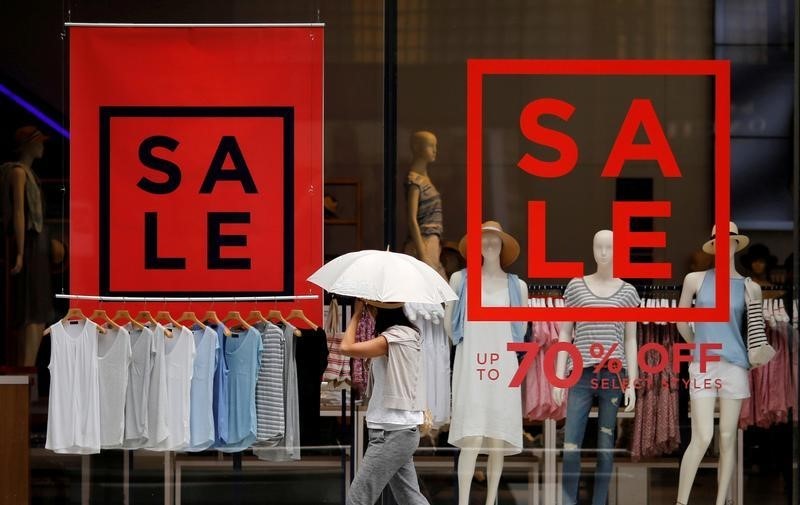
486, 414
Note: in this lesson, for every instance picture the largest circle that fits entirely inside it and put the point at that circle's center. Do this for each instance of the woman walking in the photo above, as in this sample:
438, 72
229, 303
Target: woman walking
396, 406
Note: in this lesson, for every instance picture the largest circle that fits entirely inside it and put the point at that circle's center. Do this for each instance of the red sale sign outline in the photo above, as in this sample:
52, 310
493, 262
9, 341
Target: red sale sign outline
478, 68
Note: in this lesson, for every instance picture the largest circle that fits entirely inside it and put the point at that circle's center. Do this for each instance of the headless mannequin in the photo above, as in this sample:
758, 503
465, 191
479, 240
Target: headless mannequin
427, 247
28, 153
603, 284
703, 408
493, 279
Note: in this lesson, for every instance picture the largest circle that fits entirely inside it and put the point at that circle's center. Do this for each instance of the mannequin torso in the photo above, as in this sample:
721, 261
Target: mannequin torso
424, 205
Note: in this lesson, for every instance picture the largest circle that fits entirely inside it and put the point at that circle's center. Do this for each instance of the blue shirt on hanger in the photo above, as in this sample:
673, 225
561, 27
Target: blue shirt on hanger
243, 356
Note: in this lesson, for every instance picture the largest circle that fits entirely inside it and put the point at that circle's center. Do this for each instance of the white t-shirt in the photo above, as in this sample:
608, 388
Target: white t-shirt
136, 399
113, 357
179, 356
379, 417
73, 420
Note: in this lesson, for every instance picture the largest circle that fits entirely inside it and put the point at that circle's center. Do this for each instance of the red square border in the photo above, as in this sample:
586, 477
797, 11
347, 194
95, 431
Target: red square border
478, 68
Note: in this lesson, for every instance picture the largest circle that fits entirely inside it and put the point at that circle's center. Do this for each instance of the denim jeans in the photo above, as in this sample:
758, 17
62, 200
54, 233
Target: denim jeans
579, 402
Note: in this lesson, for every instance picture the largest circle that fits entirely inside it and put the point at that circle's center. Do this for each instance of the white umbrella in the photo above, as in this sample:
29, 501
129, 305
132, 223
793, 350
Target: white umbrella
383, 276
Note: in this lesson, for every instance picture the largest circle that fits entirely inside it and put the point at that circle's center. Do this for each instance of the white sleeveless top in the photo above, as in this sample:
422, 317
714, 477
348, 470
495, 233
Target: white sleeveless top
179, 354
141, 365
113, 358
73, 420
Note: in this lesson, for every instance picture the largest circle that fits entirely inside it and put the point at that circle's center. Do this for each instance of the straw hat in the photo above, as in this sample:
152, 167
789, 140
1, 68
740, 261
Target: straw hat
508, 253
27, 134
741, 240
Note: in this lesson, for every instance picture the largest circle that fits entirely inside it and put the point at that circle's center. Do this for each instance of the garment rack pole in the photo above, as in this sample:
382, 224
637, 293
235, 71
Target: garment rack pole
187, 299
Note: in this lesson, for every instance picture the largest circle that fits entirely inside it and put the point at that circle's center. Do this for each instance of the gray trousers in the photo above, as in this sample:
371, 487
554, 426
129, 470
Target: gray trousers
388, 460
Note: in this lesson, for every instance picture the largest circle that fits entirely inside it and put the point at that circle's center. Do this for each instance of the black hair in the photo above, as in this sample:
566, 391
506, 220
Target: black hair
386, 318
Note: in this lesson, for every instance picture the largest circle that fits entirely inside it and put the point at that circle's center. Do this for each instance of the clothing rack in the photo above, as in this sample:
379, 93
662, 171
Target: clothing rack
533, 288
546, 287
235, 299
777, 287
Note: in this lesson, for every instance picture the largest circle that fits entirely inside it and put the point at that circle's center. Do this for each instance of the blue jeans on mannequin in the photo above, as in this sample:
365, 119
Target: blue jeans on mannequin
606, 386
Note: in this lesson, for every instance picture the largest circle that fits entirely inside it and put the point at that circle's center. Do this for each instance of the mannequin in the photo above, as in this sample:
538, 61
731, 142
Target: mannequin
486, 414
28, 244
424, 203
730, 371
600, 289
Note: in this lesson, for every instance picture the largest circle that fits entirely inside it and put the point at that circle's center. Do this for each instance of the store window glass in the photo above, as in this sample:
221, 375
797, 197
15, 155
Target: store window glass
649, 441
497, 428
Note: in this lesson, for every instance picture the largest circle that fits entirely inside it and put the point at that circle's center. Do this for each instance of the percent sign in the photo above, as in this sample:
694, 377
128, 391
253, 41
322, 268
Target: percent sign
598, 350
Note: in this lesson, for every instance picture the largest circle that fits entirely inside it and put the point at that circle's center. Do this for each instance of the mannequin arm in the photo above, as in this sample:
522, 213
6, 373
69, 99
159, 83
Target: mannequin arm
413, 225
752, 292
18, 192
455, 283
690, 283
631, 352
564, 335
523, 292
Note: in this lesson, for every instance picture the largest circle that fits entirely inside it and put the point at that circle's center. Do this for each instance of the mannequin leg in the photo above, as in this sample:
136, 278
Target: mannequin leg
466, 467
702, 433
728, 431
494, 468
33, 338
608, 405
433, 253
579, 402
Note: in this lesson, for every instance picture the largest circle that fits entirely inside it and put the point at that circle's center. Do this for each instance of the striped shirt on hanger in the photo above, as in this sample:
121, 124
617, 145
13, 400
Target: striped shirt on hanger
270, 390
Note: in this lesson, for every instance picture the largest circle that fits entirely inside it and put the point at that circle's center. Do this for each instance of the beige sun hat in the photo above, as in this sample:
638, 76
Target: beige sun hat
508, 253
733, 232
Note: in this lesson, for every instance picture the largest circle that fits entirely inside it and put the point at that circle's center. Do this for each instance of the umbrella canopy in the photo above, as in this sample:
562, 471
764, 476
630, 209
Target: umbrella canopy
383, 276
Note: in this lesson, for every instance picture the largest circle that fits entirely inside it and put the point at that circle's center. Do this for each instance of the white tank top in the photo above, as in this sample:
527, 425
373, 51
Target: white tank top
179, 354
136, 398
113, 357
73, 420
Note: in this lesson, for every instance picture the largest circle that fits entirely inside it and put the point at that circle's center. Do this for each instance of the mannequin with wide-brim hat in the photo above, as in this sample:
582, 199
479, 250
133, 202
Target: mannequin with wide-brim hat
728, 377
486, 414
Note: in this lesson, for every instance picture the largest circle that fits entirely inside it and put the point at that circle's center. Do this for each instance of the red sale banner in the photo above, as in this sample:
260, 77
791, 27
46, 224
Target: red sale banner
640, 116
196, 163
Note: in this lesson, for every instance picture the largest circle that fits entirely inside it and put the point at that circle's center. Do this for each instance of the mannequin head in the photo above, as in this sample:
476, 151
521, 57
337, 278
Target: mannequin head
491, 244
603, 247
733, 247
423, 146
497, 247
736, 242
30, 143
